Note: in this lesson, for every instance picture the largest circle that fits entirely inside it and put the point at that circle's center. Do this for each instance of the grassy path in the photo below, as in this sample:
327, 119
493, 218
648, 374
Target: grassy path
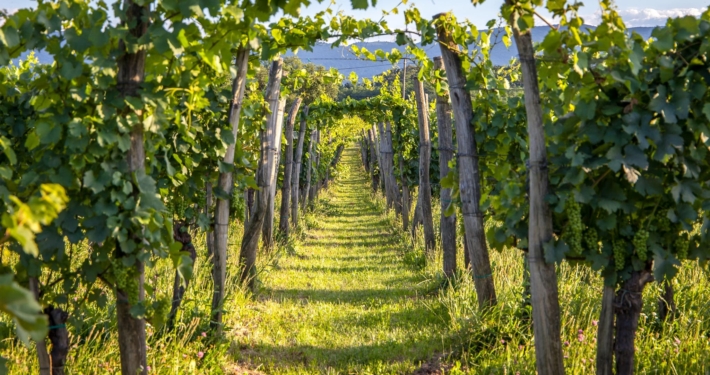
346, 302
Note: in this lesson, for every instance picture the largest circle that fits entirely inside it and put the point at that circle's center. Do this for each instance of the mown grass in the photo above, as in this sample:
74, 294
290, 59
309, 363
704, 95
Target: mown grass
352, 294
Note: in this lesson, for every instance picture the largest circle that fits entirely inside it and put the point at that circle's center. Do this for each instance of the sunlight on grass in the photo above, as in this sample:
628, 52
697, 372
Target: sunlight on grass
352, 294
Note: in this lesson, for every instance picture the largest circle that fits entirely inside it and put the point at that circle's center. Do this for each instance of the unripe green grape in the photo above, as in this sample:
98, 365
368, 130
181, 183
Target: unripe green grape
126, 280
664, 224
573, 235
680, 245
181, 207
640, 243
170, 206
619, 247
201, 198
591, 239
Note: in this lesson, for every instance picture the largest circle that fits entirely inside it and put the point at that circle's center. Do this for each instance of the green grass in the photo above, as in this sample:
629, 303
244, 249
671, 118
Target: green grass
352, 294
345, 301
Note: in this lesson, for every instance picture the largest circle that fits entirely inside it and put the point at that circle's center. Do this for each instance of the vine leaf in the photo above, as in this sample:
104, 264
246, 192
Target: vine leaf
555, 251
664, 266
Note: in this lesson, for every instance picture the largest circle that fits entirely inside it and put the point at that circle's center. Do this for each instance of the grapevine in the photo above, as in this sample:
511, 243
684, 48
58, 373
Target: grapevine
680, 245
640, 243
619, 249
573, 234
125, 279
591, 240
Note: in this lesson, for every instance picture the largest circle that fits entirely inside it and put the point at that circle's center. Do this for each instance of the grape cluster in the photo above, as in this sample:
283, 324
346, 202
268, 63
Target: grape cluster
126, 280
238, 205
180, 207
201, 198
591, 239
573, 234
158, 311
619, 248
680, 245
640, 243
664, 224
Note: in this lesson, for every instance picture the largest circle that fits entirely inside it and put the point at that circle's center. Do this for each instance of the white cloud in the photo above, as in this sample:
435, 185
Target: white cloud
634, 17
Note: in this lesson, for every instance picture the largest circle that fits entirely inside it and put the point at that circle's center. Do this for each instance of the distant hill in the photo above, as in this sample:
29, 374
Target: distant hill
342, 59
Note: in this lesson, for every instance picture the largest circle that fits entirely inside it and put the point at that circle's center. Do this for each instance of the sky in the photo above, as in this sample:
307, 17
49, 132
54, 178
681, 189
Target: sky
634, 12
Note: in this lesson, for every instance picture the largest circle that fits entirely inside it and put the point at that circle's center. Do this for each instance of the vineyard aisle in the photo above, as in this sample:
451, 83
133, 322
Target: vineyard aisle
347, 301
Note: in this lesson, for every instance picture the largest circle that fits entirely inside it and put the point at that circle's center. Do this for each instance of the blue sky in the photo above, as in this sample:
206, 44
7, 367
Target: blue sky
634, 12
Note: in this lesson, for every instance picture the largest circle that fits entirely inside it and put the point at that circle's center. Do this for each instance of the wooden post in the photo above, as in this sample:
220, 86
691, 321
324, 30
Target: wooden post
605, 334
388, 162
225, 185
59, 337
309, 167
469, 174
129, 78
393, 179
209, 236
316, 168
268, 229
384, 172
424, 161
363, 150
288, 168
627, 308
666, 301
374, 159
252, 231
405, 188
446, 152
543, 280
417, 218
296, 183
313, 181
380, 163
181, 235
45, 363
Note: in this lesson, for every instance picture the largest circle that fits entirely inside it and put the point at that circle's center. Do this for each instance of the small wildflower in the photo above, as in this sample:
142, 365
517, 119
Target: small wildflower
580, 337
595, 322
502, 341
148, 368
584, 361
566, 343
521, 347
204, 334
200, 355
676, 340
184, 355
580, 331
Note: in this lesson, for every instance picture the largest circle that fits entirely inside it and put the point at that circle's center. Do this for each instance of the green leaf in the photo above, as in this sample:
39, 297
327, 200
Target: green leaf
26, 238
648, 185
359, 4
32, 141
555, 251
585, 109
664, 38
609, 205
21, 305
91, 182
278, 35
665, 267
7, 150
235, 11
9, 37
706, 110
